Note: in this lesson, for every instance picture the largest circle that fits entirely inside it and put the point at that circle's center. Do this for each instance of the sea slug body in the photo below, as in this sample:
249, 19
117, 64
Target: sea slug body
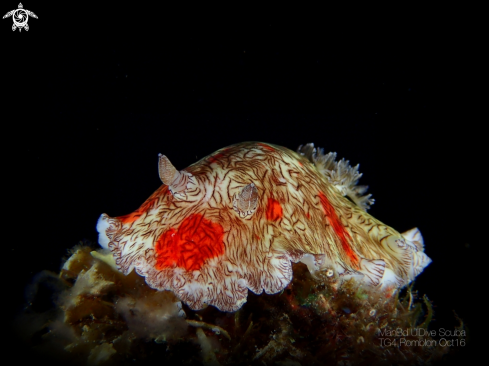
237, 219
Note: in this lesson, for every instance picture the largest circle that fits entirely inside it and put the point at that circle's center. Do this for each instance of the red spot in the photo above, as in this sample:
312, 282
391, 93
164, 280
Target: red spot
389, 291
196, 240
308, 215
266, 146
338, 227
257, 237
274, 210
300, 163
215, 158
149, 203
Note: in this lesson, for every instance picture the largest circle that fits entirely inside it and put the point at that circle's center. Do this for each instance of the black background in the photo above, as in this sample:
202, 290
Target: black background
91, 95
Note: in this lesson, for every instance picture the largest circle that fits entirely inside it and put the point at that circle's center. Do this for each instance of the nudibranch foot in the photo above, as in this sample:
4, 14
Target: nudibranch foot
237, 220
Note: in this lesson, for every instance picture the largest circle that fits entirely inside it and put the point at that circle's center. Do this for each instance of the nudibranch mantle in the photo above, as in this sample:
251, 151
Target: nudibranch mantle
238, 218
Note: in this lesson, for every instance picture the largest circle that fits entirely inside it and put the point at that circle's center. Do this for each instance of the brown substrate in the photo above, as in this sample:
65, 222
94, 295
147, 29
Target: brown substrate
105, 318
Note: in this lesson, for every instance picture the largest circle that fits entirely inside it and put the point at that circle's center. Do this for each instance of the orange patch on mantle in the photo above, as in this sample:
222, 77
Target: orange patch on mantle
196, 240
339, 229
130, 218
274, 210
266, 146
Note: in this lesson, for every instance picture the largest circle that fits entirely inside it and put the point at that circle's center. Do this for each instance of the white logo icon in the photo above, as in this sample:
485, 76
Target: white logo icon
20, 17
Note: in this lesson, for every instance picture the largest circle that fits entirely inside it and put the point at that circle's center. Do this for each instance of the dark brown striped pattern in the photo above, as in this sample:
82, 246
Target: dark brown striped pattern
258, 248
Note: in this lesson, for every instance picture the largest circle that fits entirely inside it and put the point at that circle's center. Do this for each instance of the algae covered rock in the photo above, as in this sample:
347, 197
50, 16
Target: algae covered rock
103, 317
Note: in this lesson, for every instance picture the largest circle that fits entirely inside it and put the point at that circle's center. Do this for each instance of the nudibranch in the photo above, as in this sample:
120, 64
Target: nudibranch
238, 218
